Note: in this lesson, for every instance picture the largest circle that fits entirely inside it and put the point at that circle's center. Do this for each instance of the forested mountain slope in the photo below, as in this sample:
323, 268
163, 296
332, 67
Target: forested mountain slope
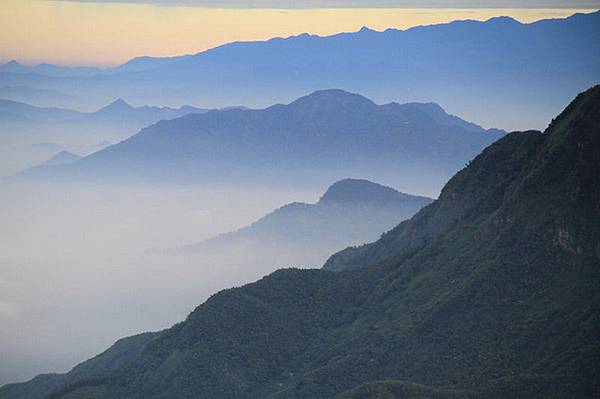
489, 292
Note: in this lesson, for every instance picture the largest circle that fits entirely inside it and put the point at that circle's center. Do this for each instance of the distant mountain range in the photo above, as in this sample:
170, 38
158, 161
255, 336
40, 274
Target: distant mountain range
499, 72
23, 125
48, 69
16, 112
351, 212
316, 139
491, 291
134, 65
116, 112
37, 97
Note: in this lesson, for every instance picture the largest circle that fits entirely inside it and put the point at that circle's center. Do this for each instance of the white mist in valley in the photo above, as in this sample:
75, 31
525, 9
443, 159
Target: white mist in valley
81, 267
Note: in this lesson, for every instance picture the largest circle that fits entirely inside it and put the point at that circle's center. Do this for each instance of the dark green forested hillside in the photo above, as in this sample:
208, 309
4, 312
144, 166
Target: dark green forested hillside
492, 291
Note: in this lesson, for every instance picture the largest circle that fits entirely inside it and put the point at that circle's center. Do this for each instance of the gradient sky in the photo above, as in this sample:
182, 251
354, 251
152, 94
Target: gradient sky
112, 32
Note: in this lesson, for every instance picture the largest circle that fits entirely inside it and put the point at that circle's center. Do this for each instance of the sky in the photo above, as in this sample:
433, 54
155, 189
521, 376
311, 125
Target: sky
111, 32
363, 3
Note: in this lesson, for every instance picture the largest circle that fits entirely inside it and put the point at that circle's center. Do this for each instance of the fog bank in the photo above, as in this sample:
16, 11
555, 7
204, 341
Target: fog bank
78, 267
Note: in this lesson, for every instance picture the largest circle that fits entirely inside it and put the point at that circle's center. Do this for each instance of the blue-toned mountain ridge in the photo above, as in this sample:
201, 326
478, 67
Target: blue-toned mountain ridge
470, 67
320, 138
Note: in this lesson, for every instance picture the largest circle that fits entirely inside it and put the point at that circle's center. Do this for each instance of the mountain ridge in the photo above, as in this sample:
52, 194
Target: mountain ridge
119, 105
23, 124
324, 135
322, 226
488, 292
439, 62
141, 62
337, 261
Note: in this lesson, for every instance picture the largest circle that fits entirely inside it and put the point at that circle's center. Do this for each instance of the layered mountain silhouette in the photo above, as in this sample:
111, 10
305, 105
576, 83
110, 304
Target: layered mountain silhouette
317, 138
48, 69
17, 112
470, 67
488, 292
351, 212
134, 65
144, 63
37, 97
118, 111
23, 125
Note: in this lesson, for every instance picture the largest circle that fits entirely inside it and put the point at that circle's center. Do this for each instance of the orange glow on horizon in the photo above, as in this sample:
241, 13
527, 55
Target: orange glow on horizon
106, 34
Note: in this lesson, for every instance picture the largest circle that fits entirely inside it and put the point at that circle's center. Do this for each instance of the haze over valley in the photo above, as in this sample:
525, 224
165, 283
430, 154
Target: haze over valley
408, 209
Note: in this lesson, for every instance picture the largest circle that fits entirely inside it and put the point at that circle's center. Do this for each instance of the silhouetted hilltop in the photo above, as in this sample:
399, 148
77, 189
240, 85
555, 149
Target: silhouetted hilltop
360, 191
350, 211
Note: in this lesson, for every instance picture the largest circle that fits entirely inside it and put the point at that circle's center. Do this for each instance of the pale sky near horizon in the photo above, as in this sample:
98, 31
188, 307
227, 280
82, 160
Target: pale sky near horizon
112, 32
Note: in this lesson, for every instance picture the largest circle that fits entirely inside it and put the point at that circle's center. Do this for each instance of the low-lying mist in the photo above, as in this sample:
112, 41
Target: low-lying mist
79, 266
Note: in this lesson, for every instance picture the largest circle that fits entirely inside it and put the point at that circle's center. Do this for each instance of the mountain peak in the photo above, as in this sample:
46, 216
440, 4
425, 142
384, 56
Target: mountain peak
118, 105
503, 20
359, 191
12, 66
119, 102
332, 97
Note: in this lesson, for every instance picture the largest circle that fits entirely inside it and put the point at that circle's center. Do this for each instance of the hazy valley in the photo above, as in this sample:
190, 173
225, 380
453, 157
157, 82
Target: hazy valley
367, 214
